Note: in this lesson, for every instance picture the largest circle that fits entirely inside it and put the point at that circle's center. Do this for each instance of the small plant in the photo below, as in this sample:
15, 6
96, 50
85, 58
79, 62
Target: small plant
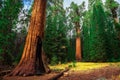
70, 66
74, 64
54, 60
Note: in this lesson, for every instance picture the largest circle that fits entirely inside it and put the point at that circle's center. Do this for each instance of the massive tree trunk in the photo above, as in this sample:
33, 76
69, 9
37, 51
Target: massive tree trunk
78, 43
78, 47
33, 58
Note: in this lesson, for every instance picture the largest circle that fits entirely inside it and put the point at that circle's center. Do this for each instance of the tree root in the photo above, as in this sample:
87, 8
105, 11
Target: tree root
59, 74
2, 73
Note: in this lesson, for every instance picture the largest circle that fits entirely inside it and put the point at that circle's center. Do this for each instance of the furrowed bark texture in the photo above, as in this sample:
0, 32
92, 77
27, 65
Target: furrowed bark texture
78, 46
33, 59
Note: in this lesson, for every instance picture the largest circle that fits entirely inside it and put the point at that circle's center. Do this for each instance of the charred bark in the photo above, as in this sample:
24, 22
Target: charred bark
33, 58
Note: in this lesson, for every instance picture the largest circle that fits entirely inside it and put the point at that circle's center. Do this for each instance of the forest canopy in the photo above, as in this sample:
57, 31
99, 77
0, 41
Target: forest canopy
70, 34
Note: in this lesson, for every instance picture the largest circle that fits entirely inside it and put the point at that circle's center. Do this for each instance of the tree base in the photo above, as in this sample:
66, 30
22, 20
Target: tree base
28, 68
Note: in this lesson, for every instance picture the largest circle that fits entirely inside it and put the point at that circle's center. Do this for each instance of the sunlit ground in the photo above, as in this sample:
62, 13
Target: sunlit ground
82, 66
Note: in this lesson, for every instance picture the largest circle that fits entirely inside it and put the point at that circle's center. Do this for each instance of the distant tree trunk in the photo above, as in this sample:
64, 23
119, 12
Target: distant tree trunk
33, 58
78, 49
114, 12
78, 43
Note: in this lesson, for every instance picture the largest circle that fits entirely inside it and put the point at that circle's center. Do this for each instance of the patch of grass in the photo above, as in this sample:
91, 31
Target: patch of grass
81, 66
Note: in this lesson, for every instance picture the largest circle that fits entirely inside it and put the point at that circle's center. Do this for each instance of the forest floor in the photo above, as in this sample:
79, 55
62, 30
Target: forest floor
79, 71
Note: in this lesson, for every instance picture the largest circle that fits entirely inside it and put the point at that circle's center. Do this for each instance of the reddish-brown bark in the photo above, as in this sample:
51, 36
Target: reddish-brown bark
78, 42
78, 45
33, 58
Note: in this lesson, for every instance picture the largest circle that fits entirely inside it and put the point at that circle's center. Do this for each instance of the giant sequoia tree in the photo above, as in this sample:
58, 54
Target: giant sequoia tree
33, 58
76, 13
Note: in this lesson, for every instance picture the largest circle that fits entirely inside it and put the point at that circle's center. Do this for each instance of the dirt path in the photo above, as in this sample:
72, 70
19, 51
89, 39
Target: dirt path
42, 77
106, 73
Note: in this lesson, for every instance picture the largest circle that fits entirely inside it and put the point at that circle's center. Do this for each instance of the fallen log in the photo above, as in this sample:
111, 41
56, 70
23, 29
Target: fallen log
59, 74
2, 73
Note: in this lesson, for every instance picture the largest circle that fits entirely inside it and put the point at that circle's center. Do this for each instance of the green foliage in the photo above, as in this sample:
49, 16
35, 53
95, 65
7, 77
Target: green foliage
8, 20
55, 41
111, 4
99, 37
99, 33
73, 65
86, 36
76, 12
54, 60
71, 49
